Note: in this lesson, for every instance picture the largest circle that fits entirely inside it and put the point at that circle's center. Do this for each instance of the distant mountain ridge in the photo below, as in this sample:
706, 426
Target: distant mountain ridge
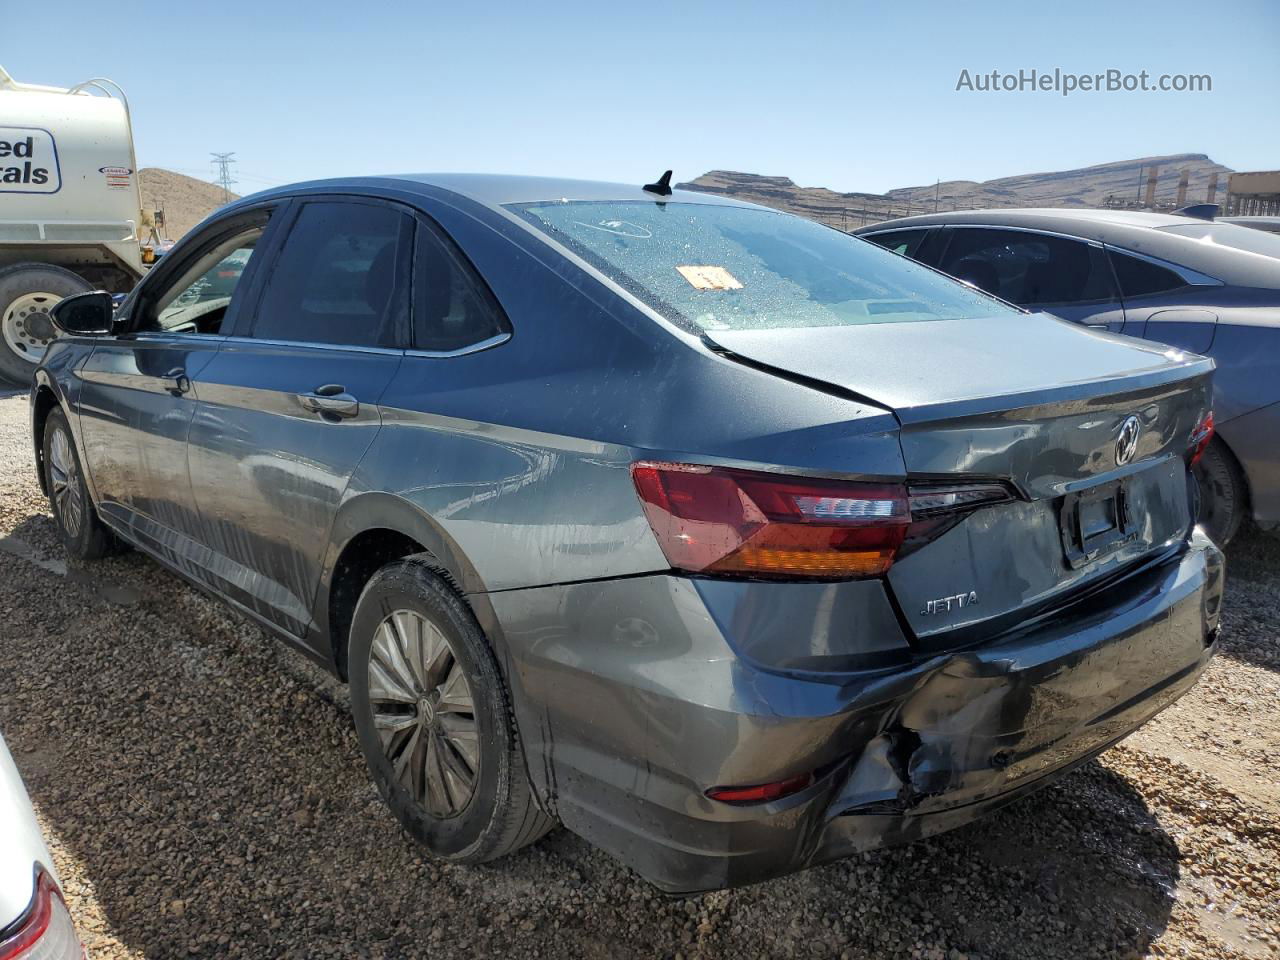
185, 200
1123, 181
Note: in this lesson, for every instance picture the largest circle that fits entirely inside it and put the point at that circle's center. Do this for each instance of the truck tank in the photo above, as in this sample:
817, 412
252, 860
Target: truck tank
70, 208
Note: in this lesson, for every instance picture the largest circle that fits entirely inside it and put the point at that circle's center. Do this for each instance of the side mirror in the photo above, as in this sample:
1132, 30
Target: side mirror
85, 314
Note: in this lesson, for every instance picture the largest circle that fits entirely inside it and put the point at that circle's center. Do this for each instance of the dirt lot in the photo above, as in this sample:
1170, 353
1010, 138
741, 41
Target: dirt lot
204, 796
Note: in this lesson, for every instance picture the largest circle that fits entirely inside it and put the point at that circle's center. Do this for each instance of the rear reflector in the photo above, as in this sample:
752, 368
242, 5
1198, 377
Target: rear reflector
1200, 438
46, 931
723, 520
761, 793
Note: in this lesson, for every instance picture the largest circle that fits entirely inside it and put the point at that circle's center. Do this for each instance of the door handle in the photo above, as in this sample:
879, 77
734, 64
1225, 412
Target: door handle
176, 382
330, 401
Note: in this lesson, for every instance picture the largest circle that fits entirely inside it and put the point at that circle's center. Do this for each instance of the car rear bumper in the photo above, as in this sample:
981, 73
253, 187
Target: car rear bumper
632, 702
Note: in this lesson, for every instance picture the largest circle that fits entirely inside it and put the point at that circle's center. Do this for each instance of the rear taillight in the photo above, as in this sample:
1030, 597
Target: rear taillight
744, 522
45, 932
1200, 438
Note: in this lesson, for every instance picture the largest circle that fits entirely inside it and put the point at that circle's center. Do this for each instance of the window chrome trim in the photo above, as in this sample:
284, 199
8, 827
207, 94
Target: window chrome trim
313, 345
1087, 241
1191, 277
486, 344
170, 336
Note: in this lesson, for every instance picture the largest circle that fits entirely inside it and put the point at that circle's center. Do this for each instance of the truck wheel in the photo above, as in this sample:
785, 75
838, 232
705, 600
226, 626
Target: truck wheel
1222, 493
28, 292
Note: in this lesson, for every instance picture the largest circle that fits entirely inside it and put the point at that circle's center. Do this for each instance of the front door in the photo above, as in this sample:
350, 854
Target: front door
137, 398
289, 405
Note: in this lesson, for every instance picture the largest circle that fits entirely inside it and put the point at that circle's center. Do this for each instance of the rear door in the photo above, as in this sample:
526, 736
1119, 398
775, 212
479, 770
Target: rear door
289, 406
1064, 276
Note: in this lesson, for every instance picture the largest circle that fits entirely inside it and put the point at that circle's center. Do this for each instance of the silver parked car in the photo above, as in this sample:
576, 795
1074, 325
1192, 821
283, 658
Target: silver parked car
732, 543
1209, 287
34, 921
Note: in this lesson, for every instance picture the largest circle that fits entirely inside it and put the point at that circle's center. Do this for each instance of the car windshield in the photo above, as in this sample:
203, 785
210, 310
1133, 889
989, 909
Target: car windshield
743, 268
1229, 235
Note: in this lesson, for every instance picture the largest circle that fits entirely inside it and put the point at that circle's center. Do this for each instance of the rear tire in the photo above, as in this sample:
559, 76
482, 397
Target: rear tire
79, 528
430, 706
27, 292
1222, 493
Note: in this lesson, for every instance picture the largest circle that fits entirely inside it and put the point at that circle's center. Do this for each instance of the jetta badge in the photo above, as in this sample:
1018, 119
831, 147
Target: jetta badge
1127, 441
957, 601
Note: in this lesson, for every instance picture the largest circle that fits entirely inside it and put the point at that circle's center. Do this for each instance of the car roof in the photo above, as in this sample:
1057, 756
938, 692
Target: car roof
496, 190
1156, 235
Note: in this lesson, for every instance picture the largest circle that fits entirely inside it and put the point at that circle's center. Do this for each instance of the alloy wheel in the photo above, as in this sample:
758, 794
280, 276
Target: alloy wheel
424, 713
66, 482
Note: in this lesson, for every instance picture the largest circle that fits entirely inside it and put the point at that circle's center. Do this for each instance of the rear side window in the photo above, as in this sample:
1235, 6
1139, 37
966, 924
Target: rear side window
1029, 269
905, 242
451, 309
341, 277
1141, 278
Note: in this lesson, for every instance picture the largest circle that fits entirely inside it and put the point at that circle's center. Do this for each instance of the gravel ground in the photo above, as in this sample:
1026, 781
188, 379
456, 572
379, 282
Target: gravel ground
203, 795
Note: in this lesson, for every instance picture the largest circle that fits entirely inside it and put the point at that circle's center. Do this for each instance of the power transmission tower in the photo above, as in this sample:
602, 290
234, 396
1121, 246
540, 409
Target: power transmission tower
223, 162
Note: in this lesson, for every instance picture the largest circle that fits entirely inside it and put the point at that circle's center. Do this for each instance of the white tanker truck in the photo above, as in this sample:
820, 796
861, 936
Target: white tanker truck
70, 209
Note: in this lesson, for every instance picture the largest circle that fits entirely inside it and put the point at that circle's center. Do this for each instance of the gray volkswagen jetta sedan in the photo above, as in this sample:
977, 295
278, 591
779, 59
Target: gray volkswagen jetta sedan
728, 541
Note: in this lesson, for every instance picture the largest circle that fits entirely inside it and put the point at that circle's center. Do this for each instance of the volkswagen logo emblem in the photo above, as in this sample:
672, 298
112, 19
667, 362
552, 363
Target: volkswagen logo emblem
1127, 442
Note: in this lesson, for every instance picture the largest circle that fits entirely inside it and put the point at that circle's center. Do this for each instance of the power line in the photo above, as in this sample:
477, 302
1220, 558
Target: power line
223, 162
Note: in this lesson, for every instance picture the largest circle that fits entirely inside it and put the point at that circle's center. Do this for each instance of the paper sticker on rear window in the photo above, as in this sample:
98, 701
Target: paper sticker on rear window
709, 278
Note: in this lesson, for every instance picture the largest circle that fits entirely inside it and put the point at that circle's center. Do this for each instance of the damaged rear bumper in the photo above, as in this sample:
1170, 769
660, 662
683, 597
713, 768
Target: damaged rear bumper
634, 698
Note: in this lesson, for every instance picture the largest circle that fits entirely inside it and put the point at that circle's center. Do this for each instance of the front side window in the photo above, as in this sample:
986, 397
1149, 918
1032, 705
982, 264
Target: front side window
743, 268
1029, 269
340, 278
198, 300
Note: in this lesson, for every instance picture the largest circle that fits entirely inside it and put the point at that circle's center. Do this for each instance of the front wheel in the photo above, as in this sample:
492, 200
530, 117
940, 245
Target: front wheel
81, 532
434, 721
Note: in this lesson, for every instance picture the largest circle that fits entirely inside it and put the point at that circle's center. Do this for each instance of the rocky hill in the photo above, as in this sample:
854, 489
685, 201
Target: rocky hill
1084, 187
185, 200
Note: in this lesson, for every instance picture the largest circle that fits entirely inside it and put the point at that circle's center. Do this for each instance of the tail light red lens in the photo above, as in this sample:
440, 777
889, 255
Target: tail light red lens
46, 932
723, 520
1200, 438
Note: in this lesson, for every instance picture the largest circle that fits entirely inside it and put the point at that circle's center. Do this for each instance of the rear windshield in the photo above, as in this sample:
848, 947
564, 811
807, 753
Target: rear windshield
739, 268
1229, 235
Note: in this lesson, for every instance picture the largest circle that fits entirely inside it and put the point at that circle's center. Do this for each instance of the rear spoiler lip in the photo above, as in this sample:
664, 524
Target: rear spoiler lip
1191, 369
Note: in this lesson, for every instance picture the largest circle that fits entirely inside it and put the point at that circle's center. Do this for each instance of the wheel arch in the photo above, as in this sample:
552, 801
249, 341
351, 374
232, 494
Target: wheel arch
371, 530
44, 400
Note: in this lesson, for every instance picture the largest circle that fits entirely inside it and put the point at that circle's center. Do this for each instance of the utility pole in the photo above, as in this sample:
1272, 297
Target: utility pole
937, 185
223, 162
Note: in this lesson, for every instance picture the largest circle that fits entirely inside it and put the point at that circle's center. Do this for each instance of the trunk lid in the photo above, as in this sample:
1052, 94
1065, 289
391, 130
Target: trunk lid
1030, 400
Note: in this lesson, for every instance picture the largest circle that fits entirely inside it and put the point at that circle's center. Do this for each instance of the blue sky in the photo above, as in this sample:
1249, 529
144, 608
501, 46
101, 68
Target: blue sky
852, 96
